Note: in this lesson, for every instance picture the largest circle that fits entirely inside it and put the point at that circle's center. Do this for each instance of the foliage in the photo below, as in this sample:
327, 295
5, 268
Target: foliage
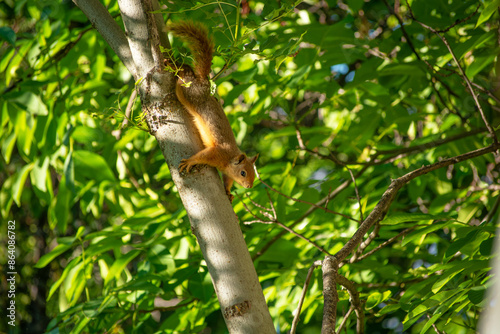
327, 93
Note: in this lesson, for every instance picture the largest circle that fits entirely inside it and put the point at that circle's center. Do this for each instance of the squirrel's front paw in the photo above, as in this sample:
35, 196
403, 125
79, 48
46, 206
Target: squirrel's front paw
230, 196
185, 165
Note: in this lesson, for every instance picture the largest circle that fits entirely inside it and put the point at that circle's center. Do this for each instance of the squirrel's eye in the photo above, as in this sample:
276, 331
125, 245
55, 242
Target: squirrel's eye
243, 173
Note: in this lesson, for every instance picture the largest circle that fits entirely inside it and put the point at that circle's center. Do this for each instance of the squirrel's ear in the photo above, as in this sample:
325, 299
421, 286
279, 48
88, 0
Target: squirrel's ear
239, 159
252, 160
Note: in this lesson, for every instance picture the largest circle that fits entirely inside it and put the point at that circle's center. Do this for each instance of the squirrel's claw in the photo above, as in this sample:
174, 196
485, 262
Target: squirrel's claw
230, 196
184, 165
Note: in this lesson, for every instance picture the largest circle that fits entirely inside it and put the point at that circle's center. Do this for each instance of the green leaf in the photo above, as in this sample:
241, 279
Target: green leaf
445, 278
39, 174
355, 5
85, 135
108, 243
486, 247
430, 322
92, 166
81, 325
142, 284
402, 217
417, 291
30, 102
8, 35
120, 264
59, 208
201, 286
69, 172
269, 43
8, 145
477, 295
476, 41
486, 13
13, 63
391, 308
419, 233
376, 298
47, 258
474, 237
18, 186
402, 69
426, 306
75, 282
62, 279
452, 269
288, 185
80, 232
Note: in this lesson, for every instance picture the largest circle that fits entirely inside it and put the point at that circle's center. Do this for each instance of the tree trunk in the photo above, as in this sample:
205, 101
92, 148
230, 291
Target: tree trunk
213, 220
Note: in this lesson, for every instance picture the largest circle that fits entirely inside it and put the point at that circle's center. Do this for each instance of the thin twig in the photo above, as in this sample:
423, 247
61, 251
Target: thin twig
355, 301
344, 320
440, 34
402, 27
305, 202
398, 152
382, 245
486, 91
309, 211
256, 204
357, 194
283, 226
257, 218
128, 111
259, 221
434, 143
434, 325
364, 244
457, 22
299, 138
295, 321
271, 204
274, 220
491, 213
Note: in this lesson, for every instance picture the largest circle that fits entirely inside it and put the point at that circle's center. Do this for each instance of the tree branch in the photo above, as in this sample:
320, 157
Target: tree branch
138, 35
330, 295
355, 302
110, 31
389, 195
365, 243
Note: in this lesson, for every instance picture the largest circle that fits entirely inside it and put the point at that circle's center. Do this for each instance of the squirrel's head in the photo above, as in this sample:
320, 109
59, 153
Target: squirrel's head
241, 170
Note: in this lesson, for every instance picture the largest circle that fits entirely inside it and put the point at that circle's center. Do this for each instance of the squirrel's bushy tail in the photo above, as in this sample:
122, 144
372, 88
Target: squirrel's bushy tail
199, 42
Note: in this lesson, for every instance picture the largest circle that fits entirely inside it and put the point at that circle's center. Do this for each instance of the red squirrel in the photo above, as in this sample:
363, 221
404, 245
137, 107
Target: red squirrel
193, 91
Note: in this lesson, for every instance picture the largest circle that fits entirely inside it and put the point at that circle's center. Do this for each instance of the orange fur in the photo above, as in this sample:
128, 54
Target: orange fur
193, 91
200, 44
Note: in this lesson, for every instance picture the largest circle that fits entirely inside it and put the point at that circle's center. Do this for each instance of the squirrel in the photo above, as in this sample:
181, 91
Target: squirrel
193, 91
